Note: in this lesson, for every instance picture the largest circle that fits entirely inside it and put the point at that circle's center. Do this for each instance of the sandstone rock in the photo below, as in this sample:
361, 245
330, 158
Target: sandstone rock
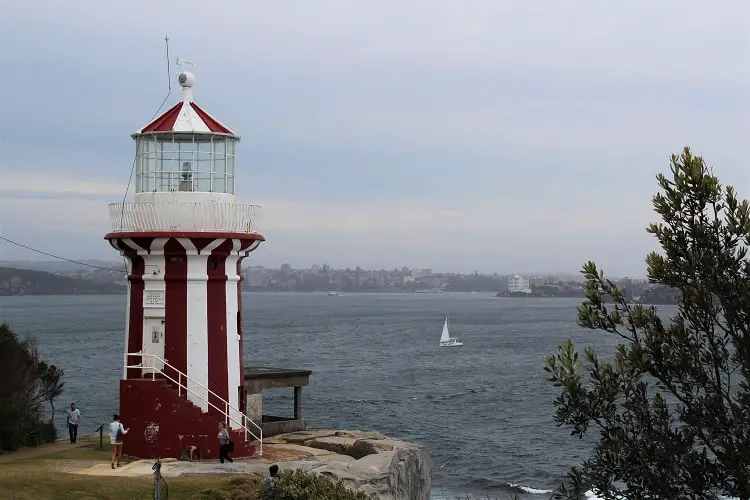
363, 447
403, 473
410, 473
301, 436
336, 444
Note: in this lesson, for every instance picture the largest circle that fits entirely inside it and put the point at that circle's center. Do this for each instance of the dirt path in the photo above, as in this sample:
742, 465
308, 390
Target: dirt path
40, 451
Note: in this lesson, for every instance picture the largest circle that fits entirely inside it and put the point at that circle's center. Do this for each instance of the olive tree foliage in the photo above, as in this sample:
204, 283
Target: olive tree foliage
673, 406
27, 385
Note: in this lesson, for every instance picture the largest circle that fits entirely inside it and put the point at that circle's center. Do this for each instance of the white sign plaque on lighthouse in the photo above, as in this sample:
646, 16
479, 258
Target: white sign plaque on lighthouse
183, 237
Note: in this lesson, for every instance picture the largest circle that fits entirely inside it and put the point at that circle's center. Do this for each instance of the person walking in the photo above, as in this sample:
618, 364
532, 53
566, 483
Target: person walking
225, 444
116, 432
74, 419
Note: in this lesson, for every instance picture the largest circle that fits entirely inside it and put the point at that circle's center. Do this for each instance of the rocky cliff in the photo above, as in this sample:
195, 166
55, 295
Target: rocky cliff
384, 468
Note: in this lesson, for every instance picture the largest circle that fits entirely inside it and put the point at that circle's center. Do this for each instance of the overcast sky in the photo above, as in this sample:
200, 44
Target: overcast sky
490, 135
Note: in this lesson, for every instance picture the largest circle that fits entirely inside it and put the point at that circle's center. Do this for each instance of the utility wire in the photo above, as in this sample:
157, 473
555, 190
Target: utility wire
12, 242
127, 189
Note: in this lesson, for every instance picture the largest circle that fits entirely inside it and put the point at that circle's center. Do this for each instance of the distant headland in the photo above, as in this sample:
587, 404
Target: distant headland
51, 278
15, 281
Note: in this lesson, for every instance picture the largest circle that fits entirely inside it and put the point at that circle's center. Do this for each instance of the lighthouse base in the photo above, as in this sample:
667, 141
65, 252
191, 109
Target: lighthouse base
161, 423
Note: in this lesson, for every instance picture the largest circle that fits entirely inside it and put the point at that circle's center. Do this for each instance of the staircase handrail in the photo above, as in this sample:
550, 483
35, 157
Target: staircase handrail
190, 379
200, 396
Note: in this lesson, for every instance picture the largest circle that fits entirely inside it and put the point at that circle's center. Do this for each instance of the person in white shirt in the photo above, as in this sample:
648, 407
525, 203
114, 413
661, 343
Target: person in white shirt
116, 431
74, 418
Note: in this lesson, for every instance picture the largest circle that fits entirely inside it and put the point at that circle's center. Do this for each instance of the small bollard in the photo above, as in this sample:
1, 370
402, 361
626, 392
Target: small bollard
157, 477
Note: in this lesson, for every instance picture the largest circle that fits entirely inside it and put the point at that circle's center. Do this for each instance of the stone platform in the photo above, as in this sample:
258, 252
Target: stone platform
369, 462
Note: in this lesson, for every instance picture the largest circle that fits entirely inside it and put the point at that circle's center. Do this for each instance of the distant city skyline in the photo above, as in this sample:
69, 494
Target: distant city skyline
45, 262
501, 136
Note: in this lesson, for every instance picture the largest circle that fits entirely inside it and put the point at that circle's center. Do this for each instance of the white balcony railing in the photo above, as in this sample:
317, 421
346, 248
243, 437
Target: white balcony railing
192, 216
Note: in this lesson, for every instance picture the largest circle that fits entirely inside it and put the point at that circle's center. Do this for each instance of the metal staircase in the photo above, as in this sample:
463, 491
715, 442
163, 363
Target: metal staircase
181, 380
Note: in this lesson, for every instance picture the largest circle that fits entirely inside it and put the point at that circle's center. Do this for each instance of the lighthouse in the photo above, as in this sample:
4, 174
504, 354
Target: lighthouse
183, 237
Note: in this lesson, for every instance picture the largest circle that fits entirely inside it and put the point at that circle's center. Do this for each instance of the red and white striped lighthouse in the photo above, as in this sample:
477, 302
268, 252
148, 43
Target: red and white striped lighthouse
183, 237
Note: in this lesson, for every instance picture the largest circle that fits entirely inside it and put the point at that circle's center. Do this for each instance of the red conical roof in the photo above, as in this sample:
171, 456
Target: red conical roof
186, 116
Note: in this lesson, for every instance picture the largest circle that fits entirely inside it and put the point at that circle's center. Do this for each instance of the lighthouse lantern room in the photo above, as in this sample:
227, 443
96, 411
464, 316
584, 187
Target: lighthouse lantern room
183, 237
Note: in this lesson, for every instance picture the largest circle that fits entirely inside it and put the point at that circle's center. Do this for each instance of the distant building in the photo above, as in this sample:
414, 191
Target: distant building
518, 284
254, 276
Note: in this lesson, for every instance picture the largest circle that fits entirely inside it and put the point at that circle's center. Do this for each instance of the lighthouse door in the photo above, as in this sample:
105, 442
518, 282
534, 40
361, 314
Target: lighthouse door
153, 344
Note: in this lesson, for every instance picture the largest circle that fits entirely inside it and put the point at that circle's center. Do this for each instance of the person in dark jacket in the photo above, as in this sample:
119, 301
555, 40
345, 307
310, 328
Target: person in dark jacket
224, 443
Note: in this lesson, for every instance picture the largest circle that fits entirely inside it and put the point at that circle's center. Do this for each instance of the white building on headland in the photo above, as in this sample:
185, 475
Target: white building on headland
518, 284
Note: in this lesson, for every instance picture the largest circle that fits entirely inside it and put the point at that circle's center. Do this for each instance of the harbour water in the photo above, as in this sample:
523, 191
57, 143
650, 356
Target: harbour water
484, 410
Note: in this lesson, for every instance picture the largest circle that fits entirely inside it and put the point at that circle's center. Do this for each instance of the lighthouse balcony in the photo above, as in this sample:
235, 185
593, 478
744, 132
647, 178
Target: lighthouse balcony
182, 215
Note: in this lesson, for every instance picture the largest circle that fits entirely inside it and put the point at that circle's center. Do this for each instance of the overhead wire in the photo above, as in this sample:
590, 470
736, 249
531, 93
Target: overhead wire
13, 242
127, 188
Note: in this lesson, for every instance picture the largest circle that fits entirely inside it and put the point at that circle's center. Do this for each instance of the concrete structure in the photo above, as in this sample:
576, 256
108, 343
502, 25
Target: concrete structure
518, 284
258, 379
184, 236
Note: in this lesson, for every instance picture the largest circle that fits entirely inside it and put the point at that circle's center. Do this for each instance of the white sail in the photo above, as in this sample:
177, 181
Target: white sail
445, 337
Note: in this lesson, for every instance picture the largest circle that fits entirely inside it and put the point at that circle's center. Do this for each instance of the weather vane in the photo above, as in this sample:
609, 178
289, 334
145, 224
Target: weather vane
182, 61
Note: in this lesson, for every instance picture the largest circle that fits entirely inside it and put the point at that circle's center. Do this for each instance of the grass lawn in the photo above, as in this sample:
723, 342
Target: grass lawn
48, 477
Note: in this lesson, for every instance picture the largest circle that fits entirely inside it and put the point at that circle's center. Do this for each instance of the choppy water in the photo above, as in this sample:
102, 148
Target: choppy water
483, 410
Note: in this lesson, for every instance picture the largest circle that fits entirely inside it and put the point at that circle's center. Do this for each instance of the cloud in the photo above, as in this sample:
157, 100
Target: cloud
384, 131
305, 233
25, 181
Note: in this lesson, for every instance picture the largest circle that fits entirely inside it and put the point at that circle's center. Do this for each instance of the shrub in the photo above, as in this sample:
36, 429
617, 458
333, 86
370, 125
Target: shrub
41, 433
298, 485
27, 386
238, 488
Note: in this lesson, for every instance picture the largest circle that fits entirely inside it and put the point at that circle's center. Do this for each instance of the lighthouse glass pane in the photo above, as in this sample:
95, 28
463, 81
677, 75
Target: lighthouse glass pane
230, 165
147, 183
220, 147
145, 164
220, 183
166, 160
203, 181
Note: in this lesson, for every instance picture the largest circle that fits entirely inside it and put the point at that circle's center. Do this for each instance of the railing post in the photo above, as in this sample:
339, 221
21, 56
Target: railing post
179, 383
101, 436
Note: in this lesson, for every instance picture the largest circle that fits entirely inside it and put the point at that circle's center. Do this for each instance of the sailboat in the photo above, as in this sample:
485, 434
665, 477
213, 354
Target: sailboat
446, 340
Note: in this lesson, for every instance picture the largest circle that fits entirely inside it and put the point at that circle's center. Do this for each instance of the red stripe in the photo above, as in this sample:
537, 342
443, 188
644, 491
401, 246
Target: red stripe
135, 307
165, 122
175, 328
217, 321
144, 243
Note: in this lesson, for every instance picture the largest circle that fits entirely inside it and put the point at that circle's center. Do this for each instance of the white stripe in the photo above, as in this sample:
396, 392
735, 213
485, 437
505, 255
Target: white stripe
189, 121
153, 281
233, 338
132, 244
197, 319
